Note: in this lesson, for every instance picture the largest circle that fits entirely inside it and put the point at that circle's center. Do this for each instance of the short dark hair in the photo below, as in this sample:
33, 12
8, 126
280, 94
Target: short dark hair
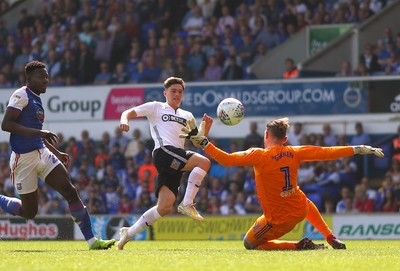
172, 81
32, 66
278, 127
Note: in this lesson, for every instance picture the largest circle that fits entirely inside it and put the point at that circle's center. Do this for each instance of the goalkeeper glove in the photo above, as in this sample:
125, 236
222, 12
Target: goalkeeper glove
201, 141
364, 149
198, 138
190, 129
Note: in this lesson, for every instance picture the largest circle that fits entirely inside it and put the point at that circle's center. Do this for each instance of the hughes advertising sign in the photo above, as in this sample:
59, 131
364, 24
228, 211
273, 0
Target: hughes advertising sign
50, 228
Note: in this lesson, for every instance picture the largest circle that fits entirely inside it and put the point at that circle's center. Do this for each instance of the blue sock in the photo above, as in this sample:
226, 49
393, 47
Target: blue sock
10, 205
81, 217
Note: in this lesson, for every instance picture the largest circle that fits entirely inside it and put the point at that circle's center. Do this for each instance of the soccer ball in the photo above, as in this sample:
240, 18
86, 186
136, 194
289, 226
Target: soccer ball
230, 111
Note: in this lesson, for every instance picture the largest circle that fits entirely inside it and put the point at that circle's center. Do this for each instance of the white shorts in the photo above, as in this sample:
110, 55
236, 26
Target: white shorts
26, 168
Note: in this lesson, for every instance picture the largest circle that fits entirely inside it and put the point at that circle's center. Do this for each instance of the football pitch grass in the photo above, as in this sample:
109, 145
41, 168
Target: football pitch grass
194, 255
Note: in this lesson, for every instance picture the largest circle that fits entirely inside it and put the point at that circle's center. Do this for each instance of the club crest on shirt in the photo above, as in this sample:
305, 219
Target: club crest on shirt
40, 114
15, 98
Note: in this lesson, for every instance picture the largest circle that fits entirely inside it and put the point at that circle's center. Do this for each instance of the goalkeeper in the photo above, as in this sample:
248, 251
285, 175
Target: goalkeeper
284, 204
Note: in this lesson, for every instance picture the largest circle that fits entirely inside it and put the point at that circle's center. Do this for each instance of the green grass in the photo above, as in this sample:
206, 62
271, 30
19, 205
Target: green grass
194, 255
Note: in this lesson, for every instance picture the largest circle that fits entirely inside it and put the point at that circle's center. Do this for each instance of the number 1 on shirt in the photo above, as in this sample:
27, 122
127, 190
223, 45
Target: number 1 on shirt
288, 186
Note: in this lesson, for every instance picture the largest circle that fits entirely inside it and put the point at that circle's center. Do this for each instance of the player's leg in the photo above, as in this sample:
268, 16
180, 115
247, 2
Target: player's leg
199, 166
25, 180
166, 192
56, 176
315, 218
262, 235
26, 207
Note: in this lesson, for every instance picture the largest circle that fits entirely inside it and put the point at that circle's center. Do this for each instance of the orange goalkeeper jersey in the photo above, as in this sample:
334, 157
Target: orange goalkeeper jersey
275, 171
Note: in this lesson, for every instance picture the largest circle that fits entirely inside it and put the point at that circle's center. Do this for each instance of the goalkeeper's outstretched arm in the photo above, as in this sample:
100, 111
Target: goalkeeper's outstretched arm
364, 149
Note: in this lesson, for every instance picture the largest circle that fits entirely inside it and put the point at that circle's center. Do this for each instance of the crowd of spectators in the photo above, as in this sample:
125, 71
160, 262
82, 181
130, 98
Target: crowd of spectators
139, 41
381, 58
115, 175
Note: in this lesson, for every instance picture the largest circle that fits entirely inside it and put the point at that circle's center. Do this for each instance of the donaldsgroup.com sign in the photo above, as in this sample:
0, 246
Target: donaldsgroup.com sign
301, 97
308, 98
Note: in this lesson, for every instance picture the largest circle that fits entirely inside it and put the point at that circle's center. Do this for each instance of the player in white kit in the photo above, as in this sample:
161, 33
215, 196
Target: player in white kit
34, 156
166, 121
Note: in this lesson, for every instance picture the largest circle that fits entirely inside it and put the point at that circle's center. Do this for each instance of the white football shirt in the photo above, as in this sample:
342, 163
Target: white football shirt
165, 123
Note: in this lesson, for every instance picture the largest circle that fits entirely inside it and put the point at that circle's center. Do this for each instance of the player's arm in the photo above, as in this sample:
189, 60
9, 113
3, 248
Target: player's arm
62, 156
316, 153
125, 117
243, 158
11, 125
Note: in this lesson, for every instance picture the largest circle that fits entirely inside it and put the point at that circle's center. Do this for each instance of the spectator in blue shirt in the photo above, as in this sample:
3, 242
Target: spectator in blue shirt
196, 60
104, 76
360, 138
151, 72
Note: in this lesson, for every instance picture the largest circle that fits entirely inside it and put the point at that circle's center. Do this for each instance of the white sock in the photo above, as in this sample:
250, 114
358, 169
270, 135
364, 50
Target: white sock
91, 241
194, 181
148, 218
